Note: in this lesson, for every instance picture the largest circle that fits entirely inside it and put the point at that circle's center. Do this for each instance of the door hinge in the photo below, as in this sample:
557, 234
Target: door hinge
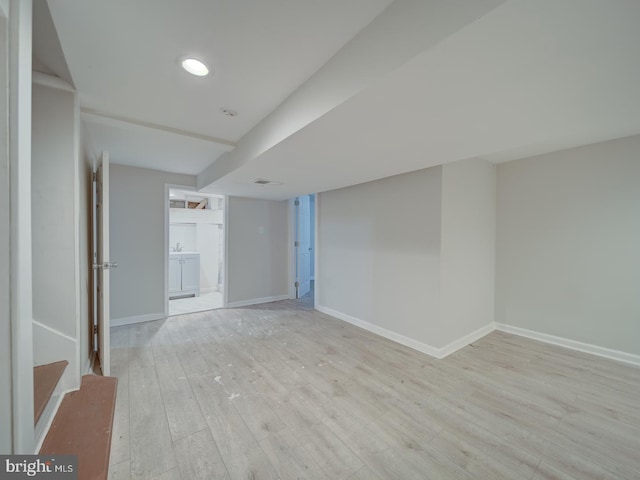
297, 284
297, 203
296, 244
95, 329
94, 176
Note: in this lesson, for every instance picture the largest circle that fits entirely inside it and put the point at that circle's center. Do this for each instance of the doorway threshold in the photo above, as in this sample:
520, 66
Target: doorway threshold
202, 303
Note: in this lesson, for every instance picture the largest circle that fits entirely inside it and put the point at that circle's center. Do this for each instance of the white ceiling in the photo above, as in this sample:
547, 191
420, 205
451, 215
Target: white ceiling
425, 83
124, 55
139, 145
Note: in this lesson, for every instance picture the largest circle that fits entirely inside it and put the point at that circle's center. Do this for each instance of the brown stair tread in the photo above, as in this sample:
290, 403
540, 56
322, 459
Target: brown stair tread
45, 379
83, 426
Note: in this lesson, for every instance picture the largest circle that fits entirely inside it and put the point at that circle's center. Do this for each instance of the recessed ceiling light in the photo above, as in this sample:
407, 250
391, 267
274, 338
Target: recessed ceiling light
195, 67
228, 112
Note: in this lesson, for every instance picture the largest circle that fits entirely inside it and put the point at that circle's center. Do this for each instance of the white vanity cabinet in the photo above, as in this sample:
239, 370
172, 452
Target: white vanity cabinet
184, 274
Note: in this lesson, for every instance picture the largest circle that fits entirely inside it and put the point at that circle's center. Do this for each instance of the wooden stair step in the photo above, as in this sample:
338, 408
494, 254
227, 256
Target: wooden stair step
83, 426
45, 379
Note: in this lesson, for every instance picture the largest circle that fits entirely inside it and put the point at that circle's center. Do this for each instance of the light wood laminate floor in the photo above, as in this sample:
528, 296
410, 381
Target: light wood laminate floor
282, 391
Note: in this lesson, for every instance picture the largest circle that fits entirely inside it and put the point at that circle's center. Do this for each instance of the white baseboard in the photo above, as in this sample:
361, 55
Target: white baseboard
256, 301
481, 332
383, 332
466, 340
409, 342
46, 419
571, 344
147, 317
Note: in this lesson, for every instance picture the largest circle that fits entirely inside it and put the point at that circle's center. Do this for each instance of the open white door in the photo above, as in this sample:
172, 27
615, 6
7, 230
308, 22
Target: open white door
303, 245
102, 265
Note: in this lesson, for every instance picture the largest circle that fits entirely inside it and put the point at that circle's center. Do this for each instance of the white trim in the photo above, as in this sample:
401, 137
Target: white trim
571, 344
147, 317
466, 340
383, 332
167, 189
438, 353
93, 273
256, 301
47, 417
316, 249
77, 250
21, 288
50, 81
6, 409
225, 252
478, 334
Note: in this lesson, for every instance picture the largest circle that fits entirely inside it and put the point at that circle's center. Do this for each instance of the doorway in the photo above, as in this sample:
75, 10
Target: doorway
304, 212
196, 252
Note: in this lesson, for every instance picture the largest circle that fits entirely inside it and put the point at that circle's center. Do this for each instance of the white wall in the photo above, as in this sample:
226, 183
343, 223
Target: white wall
184, 234
207, 244
568, 244
257, 250
137, 226
467, 248
379, 253
53, 215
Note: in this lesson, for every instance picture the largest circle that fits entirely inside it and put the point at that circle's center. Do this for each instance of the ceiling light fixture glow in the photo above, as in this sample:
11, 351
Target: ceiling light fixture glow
195, 67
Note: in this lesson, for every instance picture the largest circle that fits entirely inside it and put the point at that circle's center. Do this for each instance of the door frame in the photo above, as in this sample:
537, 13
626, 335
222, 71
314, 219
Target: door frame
18, 413
101, 266
225, 225
292, 249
